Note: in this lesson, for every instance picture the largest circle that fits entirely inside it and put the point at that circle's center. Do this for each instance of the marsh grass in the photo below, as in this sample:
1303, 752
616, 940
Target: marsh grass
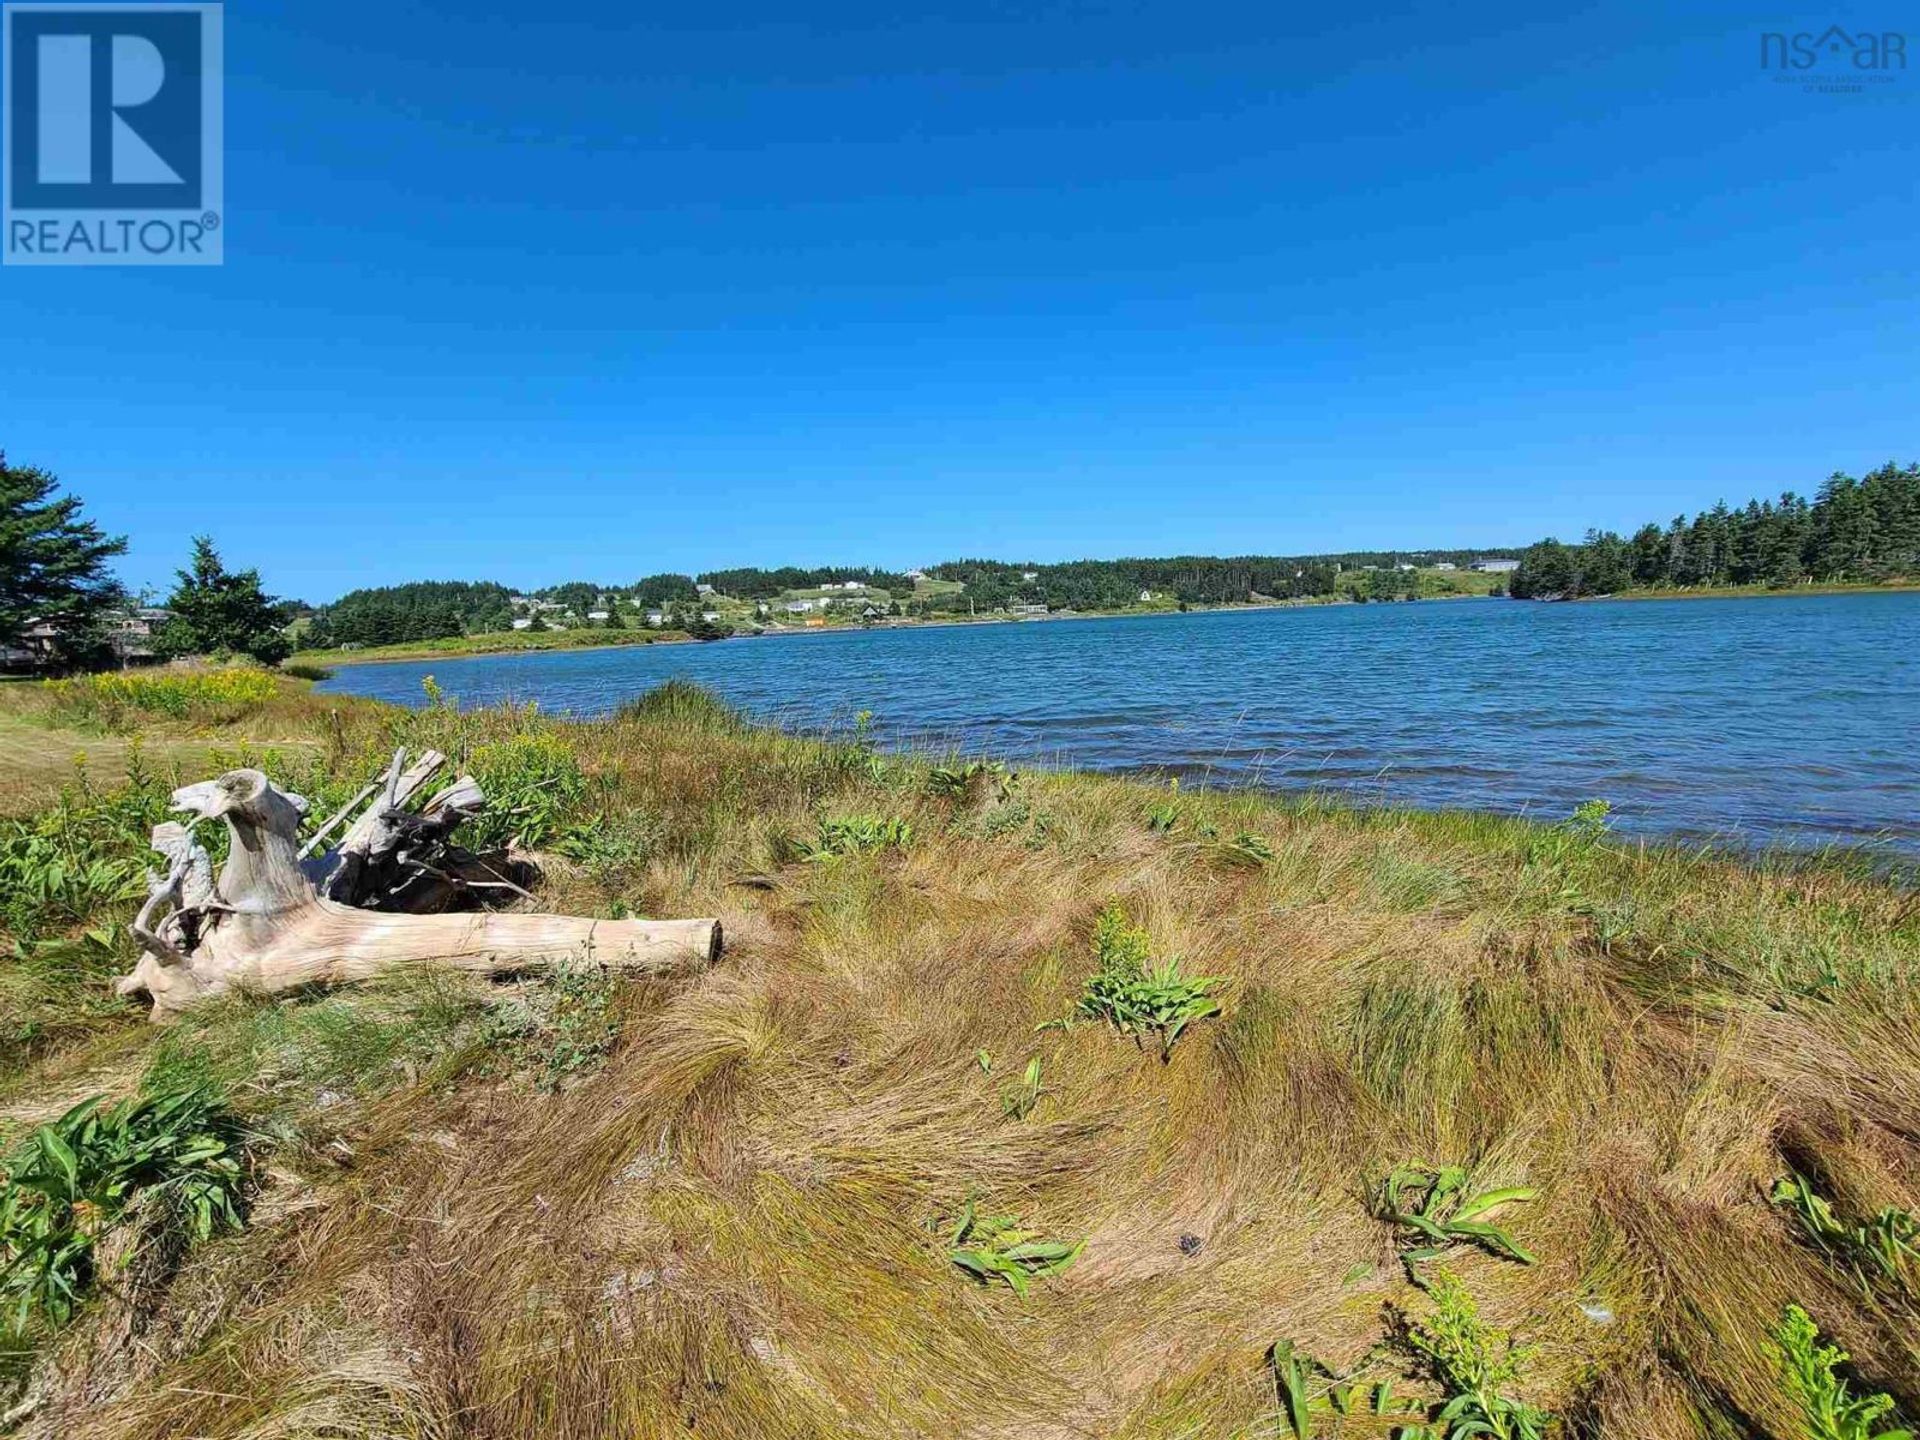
716, 1224
117, 701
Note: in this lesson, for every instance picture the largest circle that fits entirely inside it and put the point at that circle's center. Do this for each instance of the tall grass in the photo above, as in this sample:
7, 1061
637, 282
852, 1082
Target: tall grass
117, 702
724, 1205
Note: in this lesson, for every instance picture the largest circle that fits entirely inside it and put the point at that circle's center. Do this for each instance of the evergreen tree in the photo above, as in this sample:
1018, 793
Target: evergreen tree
53, 565
221, 612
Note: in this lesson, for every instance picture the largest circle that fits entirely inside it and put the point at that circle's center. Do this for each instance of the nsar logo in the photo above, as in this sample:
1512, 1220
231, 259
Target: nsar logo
112, 150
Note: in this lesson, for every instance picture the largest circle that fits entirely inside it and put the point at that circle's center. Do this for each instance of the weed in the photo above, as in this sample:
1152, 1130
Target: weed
534, 785
1017, 1101
968, 782
1888, 1245
994, 1247
71, 1179
1832, 1411
1137, 997
1474, 1363
1245, 849
114, 700
561, 1027
1590, 820
1434, 1210
1164, 816
856, 835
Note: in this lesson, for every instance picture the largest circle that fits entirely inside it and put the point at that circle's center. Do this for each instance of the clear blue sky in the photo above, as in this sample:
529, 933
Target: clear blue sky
590, 290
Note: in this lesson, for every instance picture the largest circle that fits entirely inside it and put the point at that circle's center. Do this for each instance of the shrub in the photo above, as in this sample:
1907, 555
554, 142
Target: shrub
69, 1181
682, 703
1137, 997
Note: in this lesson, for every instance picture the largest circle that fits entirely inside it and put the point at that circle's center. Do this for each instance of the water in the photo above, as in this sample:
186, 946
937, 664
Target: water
1779, 720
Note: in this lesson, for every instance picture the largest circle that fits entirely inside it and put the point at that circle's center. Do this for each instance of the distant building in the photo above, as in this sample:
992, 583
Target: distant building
656, 618
1403, 567
597, 614
1029, 574
1495, 566
1146, 595
801, 607
1446, 565
703, 589
131, 633
917, 576
523, 624
1027, 610
709, 615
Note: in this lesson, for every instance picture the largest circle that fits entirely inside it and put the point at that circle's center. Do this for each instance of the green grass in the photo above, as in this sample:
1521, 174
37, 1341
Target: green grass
502, 642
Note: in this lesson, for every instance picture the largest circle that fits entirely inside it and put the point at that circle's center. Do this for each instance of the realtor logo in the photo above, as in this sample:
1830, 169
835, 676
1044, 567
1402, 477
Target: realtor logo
112, 148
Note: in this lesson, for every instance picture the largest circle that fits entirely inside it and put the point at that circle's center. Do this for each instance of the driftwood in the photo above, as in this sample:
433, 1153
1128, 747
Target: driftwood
268, 924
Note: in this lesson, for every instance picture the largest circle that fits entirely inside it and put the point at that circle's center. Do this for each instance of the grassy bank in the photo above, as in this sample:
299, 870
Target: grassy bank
502, 642
1728, 592
1186, 1039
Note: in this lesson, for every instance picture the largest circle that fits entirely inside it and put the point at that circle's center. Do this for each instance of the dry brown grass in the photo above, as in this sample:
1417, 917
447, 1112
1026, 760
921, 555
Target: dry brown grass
731, 1229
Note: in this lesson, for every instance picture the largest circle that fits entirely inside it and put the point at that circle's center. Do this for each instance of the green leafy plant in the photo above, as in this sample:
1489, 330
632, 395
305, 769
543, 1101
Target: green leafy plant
1887, 1246
969, 781
1291, 1381
561, 1027
1832, 1411
534, 785
1163, 817
1590, 819
1246, 849
70, 1180
1434, 1208
1017, 1101
855, 835
1136, 996
995, 1248
1474, 1362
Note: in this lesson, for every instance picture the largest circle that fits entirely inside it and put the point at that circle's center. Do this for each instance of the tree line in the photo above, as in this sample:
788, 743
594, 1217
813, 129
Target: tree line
1857, 530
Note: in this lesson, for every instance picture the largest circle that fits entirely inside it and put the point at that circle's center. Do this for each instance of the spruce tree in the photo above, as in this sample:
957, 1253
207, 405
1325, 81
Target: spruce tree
221, 612
53, 565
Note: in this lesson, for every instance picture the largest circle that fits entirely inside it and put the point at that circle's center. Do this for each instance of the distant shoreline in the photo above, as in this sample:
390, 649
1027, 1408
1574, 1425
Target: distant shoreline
334, 659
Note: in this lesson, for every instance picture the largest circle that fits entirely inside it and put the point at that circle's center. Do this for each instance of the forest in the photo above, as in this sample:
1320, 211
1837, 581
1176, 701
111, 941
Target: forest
1854, 530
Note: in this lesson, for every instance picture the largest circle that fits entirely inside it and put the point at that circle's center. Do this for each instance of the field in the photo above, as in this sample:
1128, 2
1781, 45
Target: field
1021, 1107
500, 642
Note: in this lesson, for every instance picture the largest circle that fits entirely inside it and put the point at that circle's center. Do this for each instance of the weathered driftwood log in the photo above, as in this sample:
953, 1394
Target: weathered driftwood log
266, 927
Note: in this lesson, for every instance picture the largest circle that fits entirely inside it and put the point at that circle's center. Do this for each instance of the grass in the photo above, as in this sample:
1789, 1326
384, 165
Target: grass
500, 642
587, 1208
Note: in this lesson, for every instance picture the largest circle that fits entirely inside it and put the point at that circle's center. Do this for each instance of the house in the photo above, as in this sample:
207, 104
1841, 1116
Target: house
710, 616
801, 607
131, 633
703, 589
656, 618
917, 576
597, 614
1493, 566
523, 624
1145, 596
1029, 574
1446, 565
1027, 610
1403, 567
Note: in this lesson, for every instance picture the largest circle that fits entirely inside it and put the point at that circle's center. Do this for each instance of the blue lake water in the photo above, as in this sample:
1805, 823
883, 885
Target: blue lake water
1778, 720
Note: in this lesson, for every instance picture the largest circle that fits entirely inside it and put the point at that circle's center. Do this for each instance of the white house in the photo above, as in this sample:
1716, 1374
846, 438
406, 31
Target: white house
1029, 574
801, 607
597, 614
1495, 567
1146, 595
703, 589
656, 617
523, 624
916, 576
1446, 565
709, 615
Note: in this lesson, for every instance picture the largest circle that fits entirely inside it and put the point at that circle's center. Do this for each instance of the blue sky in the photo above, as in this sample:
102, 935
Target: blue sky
597, 289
